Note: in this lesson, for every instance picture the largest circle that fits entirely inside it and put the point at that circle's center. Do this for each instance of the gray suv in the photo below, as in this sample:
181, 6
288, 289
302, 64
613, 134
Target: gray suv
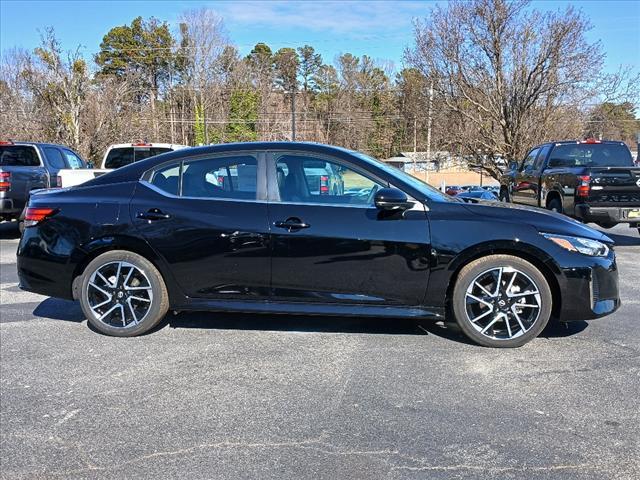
28, 166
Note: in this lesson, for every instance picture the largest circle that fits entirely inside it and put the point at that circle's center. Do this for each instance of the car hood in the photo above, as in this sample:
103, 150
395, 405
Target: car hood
542, 220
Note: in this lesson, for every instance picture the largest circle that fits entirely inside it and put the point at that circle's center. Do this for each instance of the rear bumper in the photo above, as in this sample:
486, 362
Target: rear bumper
589, 291
43, 267
608, 215
8, 207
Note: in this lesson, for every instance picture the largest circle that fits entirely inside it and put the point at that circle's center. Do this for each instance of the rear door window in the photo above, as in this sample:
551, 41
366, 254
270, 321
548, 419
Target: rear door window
18, 156
55, 158
233, 177
167, 179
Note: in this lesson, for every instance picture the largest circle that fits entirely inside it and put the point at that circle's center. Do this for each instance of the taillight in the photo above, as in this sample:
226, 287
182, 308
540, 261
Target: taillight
324, 184
5, 181
583, 186
35, 215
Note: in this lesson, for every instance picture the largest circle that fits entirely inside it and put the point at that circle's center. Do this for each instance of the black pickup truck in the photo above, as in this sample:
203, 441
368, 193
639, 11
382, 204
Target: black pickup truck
593, 181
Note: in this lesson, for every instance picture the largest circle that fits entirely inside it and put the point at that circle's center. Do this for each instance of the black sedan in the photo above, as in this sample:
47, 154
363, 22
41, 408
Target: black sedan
237, 228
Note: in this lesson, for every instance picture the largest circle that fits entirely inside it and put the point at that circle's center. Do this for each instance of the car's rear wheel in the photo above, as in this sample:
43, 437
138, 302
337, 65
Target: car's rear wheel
123, 294
501, 301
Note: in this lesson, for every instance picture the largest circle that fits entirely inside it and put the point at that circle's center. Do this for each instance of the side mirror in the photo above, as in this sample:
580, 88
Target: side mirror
392, 199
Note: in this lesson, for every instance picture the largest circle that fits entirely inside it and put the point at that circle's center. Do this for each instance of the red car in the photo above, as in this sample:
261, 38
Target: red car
453, 190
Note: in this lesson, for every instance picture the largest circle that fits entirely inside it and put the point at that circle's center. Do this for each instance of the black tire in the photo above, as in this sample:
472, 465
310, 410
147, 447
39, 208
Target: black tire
474, 270
504, 195
155, 289
555, 205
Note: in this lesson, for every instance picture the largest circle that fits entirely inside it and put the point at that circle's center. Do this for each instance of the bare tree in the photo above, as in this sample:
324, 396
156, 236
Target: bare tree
203, 43
504, 69
60, 85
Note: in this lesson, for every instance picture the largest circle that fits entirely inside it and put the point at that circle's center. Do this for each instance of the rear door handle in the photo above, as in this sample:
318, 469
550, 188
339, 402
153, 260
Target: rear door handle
153, 214
292, 224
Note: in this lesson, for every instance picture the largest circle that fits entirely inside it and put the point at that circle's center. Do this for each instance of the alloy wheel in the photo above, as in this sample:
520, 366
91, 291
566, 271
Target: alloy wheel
503, 303
119, 294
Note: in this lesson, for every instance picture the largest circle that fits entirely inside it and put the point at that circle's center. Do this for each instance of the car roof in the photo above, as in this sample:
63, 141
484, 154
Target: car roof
136, 169
152, 145
37, 144
584, 142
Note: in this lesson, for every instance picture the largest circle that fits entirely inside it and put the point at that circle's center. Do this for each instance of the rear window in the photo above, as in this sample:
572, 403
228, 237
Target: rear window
591, 155
18, 156
119, 157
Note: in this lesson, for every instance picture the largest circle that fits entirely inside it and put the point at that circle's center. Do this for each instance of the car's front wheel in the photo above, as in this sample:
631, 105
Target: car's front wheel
501, 301
123, 294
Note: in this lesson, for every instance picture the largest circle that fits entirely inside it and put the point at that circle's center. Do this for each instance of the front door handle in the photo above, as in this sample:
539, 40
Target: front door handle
292, 224
153, 214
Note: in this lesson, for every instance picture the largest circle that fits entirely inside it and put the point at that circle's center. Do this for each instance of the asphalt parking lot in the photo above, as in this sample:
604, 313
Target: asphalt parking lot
236, 396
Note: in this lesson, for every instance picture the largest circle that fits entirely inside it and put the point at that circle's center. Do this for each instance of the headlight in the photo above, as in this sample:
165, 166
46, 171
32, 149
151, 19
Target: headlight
578, 244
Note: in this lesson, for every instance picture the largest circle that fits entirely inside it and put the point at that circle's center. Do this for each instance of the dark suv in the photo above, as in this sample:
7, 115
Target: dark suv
28, 166
591, 180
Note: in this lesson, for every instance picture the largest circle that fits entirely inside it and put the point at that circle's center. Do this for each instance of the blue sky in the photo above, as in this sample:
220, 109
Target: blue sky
381, 29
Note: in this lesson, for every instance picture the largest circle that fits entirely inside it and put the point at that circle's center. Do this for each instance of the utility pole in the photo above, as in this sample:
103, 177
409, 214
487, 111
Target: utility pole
293, 115
429, 118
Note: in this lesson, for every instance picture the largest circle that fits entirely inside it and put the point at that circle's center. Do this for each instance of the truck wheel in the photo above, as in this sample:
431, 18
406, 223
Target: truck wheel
555, 205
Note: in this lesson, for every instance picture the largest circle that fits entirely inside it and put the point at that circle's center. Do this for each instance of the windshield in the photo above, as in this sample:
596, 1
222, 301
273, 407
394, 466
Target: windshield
429, 191
591, 155
119, 157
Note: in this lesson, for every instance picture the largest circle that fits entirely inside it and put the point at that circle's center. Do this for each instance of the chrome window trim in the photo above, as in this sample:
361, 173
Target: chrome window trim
176, 197
259, 155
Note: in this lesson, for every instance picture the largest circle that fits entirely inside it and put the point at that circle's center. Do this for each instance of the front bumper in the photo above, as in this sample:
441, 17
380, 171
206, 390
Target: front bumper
589, 290
608, 215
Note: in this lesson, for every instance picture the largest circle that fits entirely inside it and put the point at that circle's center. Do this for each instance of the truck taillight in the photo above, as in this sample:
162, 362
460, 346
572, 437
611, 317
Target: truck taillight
35, 215
324, 184
583, 189
5, 181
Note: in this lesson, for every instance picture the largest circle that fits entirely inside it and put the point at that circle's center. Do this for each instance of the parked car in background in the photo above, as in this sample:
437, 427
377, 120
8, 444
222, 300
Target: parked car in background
492, 188
453, 190
477, 195
28, 166
472, 188
167, 237
592, 180
117, 156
